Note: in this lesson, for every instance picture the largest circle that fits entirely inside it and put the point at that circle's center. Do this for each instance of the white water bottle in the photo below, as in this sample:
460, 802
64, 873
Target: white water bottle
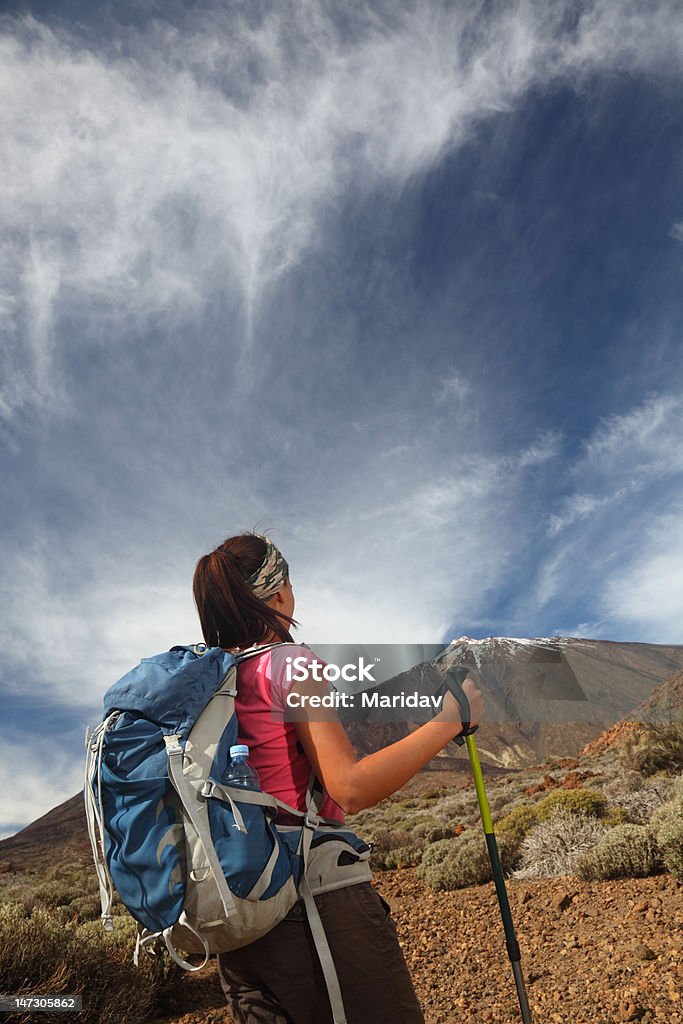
239, 772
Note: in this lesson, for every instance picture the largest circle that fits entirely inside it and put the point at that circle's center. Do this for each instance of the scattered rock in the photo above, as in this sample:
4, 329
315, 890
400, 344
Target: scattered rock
629, 1010
561, 901
644, 952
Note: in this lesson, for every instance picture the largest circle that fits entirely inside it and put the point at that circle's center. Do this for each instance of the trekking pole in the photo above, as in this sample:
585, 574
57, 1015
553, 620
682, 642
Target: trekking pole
454, 680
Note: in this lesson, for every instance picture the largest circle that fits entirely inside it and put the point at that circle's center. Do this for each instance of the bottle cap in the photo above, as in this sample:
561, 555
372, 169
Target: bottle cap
239, 750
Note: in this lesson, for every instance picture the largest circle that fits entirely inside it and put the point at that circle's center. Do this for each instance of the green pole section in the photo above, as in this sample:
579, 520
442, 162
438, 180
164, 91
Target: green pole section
478, 777
498, 878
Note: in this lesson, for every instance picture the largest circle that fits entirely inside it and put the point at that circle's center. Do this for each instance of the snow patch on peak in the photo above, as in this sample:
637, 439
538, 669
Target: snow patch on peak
509, 646
519, 641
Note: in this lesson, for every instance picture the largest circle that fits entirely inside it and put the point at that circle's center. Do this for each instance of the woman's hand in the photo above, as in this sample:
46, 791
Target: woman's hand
450, 709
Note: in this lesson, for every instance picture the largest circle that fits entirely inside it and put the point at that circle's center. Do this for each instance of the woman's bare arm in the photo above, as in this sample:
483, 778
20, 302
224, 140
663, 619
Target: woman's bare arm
355, 784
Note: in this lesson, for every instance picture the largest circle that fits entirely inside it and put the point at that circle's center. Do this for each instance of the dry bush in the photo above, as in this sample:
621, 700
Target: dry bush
70, 886
627, 851
460, 807
553, 847
436, 853
50, 894
639, 805
624, 783
658, 749
667, 828
418, 824
45, 951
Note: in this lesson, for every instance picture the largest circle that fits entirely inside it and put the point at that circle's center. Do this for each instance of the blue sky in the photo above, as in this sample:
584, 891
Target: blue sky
400, 283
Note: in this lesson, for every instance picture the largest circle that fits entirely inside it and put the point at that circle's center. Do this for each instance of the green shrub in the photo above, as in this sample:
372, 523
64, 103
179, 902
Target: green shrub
419, 823
571, 801
658, 749
517, 823
627, 851
435, 854
466, 862
667, 828
435, 794
617, 816
523, 817
462, 861
402, 857
45, 951
385, 846
432, 830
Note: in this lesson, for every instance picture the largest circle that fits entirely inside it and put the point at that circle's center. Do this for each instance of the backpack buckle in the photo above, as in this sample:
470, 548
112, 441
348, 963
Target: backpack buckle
173, 745
311, 820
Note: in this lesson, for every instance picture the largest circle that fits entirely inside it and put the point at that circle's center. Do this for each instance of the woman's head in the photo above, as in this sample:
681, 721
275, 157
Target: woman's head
242, 593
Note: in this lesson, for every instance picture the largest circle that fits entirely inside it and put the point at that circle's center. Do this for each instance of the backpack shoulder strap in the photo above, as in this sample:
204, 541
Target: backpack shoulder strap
250, 652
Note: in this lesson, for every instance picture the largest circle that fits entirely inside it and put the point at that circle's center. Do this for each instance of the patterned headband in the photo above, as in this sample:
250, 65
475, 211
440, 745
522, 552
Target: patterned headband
272, 574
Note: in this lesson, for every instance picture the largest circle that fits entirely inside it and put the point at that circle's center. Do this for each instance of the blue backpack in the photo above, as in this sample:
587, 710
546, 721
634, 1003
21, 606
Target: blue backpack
200, 865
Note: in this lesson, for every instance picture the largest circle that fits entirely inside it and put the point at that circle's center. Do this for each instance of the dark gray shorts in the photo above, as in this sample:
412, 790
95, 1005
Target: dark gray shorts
278, 979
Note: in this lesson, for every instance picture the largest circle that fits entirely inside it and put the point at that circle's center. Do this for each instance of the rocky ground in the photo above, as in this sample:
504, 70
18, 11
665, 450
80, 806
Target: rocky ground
592, 953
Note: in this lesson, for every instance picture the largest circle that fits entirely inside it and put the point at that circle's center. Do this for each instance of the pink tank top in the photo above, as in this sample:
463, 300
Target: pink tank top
274, 750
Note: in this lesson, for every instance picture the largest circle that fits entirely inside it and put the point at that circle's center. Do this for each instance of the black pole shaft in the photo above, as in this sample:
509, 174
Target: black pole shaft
499, 879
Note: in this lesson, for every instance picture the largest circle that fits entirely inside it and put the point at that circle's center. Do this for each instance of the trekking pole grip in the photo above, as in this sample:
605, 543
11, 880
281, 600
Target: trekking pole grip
455, 677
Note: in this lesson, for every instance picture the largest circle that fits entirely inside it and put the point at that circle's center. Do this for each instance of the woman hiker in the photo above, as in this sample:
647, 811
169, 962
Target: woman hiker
244, 598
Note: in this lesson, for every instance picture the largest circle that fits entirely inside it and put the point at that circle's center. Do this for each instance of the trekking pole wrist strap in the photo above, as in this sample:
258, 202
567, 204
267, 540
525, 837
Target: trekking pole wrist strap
455, 677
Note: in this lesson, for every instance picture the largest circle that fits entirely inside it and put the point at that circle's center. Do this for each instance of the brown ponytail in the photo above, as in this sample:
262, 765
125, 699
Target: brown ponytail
229, 612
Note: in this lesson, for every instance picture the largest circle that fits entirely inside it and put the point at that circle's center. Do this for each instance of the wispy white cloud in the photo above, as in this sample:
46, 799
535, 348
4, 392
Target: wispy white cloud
134, 187
647, 591
452, 387
616, 543
544, 448
581, 506
645, 442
